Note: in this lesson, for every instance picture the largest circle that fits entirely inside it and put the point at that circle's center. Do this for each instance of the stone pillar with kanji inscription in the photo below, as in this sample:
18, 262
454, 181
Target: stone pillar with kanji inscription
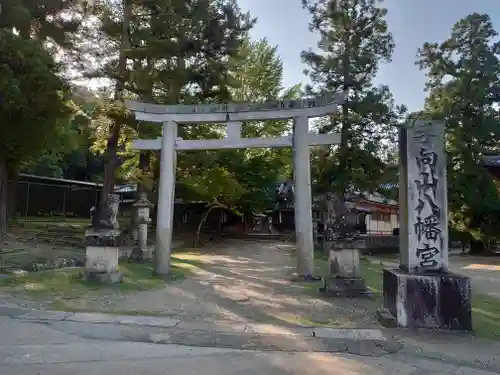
422, 293
423, 198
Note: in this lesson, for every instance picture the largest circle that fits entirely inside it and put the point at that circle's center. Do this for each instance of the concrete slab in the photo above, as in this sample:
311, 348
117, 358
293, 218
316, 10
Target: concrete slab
352, 334
212, 326
272, 329
13, 310
159, 337
151, 321
45, 315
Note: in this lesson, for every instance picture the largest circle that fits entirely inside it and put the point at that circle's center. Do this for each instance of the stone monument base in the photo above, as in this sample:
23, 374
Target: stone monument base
439, 300
102, 253
344, 272
141, 255
112, 277
344, 287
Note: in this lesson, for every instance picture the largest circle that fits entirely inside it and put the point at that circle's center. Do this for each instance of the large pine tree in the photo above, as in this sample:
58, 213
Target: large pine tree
32, 105
160, 51
354, 40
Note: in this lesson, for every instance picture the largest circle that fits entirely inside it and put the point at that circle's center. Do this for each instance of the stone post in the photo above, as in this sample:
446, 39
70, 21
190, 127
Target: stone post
303, 198
166, 197
421, 292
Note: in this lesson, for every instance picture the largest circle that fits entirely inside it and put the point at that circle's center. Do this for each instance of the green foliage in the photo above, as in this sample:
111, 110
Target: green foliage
177, 50
69, 155
232, 178
354, 40
257, 72
238, 178
46, 20
33, 99
158, 51
464, 86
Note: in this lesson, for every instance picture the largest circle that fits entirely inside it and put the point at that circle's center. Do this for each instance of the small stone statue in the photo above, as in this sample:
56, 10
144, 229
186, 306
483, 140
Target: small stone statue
111, 216
113, 206
95, 222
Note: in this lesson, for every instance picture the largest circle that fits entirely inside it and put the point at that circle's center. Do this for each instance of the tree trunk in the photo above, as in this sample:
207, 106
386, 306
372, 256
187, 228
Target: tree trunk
202, 222
109, 170
476, 247
4, 182
344, 132
13, 178
112, 162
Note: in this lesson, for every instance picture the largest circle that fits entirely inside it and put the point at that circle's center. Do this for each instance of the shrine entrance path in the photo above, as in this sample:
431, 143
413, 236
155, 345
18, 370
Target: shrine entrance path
243, 282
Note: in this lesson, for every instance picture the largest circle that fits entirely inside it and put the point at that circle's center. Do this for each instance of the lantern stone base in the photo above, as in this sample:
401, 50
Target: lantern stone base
437, 301
344, 276
344, 287
141, 255
113, 277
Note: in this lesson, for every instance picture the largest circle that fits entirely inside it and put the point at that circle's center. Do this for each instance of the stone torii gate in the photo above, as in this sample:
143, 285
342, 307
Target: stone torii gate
233, 114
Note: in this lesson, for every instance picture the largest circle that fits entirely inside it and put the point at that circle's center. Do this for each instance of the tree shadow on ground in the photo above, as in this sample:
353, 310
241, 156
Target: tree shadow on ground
242, 281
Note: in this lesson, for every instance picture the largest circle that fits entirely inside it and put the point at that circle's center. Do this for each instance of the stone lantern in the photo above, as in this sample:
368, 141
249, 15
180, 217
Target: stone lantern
343, 243
102, 245
143, 208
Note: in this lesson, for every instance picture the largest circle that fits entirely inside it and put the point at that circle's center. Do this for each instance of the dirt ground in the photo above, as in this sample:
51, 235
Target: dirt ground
241, 281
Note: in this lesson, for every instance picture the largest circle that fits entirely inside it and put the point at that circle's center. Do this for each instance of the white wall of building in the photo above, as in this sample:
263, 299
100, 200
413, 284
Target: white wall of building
381, 223
378, 222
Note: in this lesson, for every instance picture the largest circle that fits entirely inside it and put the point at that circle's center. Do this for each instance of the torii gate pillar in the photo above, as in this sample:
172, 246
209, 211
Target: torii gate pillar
303, 197
166, 198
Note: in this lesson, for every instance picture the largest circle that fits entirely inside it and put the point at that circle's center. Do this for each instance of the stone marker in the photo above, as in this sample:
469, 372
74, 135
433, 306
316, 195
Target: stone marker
421, 292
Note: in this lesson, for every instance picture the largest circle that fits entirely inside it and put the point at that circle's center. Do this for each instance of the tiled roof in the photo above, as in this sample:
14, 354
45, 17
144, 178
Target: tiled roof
491, 160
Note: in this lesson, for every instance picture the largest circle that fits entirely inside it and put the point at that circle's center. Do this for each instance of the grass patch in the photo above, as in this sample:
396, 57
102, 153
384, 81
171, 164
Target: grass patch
187, 262
486, 316
372, 273
67, 283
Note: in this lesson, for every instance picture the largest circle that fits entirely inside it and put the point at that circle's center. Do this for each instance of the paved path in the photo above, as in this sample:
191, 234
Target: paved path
81, 346
484, 272
242, 282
